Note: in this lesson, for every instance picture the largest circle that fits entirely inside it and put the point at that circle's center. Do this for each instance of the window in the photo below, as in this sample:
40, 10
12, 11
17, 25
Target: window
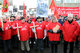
15, 10
21, 7
73, 1
68, 1
58, 1
78, 1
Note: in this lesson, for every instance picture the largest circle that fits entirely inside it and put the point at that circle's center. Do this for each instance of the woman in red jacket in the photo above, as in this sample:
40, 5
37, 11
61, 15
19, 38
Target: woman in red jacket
54, 29
70, 31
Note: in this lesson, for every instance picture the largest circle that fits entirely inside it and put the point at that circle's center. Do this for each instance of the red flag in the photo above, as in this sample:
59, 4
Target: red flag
53, 8
56, 13
5, 6
24, 11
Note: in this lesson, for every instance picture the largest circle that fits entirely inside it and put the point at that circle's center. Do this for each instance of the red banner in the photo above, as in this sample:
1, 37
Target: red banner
64, 11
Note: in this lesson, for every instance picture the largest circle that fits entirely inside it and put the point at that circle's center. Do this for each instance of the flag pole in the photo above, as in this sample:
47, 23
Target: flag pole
63, 3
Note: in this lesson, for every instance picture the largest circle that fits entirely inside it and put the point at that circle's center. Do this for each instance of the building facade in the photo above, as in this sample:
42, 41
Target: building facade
66, 3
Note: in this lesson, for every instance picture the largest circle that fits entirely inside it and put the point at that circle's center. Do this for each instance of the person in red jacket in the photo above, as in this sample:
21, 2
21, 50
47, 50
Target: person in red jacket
31, 34
46, 23
54, 29
79, 39
70, 30
79, 34
6, 35
39, 29
14, 37
24, 35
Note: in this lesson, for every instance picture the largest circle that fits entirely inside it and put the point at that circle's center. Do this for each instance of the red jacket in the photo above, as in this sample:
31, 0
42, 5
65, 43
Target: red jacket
40, 30
31, 34
0, 26
54, 36
24, 31
6, 34
79, 34
70, 31
46, 27
13, 31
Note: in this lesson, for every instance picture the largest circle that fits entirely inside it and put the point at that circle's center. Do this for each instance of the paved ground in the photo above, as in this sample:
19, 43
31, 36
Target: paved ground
47, 50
